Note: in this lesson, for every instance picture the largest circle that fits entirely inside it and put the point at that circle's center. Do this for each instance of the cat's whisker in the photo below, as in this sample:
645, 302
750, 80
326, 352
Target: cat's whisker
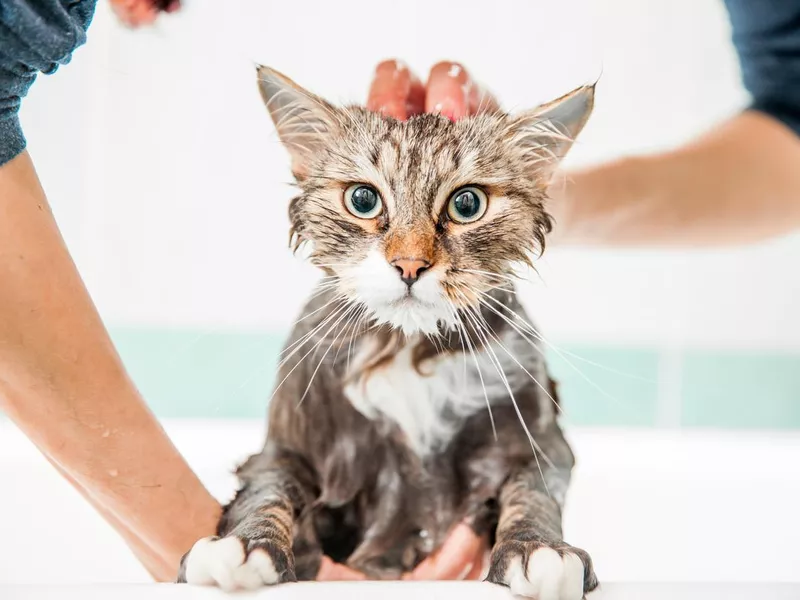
322, 290
505, 287
475, 320
361, 317
510, 278
296, 346
494, 335
465, 336
353, 307
315, 311
351, 326
322, 339
555, 348
302, 339
498, 366
331, 265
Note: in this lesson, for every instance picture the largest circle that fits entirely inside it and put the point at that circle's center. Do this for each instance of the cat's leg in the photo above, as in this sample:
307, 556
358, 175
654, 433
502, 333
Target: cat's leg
529, 555
256, 532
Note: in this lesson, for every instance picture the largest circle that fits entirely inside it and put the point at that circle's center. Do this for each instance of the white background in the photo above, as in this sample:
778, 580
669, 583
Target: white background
169, 183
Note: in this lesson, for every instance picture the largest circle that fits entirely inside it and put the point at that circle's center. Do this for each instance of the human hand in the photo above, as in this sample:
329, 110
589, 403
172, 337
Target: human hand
331, 571
135, 13
450, 91
461, 557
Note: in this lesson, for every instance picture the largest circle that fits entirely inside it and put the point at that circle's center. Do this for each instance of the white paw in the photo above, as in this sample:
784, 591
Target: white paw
222, 562
547, 576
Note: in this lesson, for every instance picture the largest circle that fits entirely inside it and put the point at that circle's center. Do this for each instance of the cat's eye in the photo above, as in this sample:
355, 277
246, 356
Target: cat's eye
363, 201
467, 204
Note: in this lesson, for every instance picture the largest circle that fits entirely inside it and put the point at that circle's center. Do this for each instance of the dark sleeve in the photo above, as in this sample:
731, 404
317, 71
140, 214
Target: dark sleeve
766, 34
35, 35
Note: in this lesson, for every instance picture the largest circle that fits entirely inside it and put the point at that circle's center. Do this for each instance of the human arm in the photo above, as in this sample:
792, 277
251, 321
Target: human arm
736, 184
63, 384
61, 380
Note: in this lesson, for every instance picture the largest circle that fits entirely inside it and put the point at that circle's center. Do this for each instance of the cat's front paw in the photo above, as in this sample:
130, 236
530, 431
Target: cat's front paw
235, 563
544, 571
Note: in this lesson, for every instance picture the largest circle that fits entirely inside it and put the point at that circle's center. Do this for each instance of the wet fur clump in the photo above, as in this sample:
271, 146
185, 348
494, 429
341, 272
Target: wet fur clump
412, 394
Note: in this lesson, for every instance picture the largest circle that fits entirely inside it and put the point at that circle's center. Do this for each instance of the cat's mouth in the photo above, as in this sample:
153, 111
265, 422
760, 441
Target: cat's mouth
410, 300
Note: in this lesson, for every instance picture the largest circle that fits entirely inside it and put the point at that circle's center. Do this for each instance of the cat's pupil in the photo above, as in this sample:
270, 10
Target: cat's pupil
467, 204
364, 199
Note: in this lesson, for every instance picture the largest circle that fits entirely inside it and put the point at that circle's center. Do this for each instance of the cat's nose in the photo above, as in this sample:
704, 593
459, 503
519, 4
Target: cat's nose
410, 269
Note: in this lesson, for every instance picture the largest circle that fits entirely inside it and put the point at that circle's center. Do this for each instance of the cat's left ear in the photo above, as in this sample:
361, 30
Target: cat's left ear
547, 132
303, 120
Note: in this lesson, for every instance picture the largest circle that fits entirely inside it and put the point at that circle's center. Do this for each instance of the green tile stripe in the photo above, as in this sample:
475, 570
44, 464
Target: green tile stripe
189, 374
230, 375
606, 386
741, 390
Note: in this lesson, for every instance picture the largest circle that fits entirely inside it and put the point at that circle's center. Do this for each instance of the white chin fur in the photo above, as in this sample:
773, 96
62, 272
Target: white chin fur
381, 290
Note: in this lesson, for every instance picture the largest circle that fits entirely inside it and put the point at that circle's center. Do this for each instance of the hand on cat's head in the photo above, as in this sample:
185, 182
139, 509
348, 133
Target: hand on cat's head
450, 91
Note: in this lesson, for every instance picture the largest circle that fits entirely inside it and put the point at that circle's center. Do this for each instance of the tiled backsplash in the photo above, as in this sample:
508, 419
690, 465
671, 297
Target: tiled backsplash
230, 375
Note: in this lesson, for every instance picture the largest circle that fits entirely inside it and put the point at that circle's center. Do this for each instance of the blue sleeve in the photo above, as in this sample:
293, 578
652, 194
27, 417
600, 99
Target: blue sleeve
35, 35
766, 34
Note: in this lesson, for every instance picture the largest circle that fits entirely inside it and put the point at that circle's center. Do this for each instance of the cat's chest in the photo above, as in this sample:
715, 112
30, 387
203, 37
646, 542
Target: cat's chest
427, 401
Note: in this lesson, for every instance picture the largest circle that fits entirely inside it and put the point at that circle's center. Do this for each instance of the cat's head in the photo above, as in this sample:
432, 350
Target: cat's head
416, 219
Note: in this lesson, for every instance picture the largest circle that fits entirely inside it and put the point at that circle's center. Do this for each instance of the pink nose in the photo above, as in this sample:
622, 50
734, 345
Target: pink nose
410, 269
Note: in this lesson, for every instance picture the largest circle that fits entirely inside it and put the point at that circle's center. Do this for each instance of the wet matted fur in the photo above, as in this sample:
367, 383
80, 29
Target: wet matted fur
412, 394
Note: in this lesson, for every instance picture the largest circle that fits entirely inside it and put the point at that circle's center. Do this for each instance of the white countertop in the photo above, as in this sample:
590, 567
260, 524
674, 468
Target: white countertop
397, 591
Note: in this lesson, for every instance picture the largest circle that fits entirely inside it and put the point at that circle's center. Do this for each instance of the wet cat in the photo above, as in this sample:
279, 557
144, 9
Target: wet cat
412, 394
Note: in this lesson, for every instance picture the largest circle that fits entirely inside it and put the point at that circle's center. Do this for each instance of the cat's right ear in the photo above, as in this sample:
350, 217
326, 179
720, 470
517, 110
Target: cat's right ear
302, 119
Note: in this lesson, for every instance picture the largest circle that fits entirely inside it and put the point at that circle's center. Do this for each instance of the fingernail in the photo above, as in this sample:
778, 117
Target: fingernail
445, 111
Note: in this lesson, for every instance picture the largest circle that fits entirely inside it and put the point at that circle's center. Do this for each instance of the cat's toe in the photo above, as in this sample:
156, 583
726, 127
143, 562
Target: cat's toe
547, 576
232, 563
542, 572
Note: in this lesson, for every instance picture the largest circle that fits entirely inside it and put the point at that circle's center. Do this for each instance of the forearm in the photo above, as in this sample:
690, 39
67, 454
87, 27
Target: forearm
62, 382
738, 184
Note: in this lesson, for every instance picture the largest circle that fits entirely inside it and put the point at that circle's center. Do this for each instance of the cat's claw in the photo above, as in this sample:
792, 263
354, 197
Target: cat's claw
542, 572
232, 563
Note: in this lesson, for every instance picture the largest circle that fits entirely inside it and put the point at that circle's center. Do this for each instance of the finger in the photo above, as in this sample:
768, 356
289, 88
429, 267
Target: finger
331, 571
396, 91
458, 552
452, 92
475, 573
448, 89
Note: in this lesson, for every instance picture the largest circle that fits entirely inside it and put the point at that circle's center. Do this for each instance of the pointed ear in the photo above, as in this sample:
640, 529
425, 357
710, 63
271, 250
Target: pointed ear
302, 119
547, 132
